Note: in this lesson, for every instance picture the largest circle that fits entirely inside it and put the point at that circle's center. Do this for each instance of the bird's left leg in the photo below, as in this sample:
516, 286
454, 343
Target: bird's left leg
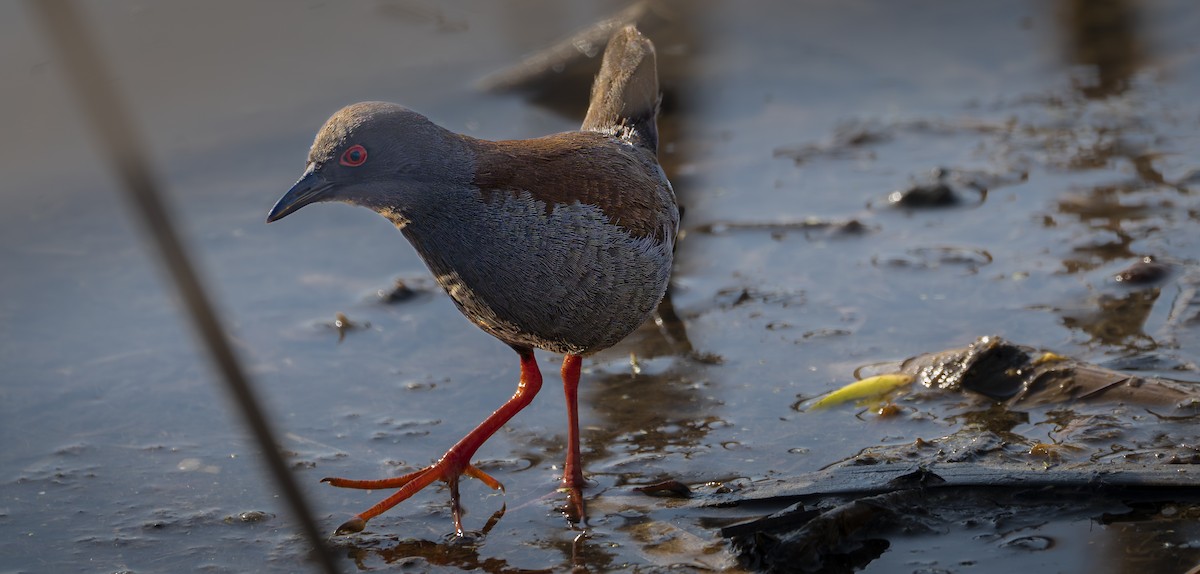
456, 461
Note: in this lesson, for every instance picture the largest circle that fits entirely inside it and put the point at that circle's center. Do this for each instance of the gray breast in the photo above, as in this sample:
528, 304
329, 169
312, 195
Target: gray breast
565, 280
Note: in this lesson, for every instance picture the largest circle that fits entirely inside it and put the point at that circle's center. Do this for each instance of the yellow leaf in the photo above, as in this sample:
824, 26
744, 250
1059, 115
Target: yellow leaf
868, 388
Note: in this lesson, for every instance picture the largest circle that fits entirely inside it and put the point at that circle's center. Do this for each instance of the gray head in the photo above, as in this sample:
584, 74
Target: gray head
377, 155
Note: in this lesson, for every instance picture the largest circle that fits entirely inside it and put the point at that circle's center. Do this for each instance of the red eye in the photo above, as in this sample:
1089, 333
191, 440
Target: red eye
354, 157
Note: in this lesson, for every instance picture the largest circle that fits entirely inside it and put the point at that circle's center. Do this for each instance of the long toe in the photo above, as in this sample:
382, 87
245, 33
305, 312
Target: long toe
414, 483
483, 477
379, 484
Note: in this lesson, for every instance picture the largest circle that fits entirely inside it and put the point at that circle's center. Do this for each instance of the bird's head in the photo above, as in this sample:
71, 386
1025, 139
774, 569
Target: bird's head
377, 155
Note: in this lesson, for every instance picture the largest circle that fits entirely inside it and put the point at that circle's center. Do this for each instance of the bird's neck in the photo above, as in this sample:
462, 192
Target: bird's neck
437, 175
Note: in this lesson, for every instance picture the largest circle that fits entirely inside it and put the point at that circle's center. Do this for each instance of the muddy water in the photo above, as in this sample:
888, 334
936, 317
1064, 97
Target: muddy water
1070, 144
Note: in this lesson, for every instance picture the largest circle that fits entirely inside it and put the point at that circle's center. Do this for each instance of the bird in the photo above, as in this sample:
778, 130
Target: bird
562, 243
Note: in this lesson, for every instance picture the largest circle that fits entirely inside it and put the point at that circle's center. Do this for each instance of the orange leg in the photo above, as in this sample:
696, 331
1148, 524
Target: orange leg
455, 462
572, 479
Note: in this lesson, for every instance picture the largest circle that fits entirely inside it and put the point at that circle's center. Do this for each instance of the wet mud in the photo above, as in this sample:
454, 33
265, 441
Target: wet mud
863, 184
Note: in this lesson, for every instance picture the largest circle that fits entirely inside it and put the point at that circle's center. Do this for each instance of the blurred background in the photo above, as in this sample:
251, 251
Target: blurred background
864, 181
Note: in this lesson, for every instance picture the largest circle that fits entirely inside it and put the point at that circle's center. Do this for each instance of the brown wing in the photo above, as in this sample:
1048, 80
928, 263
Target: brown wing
622, 180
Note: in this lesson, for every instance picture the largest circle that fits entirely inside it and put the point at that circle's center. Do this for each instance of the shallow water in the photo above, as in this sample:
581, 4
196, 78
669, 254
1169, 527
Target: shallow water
122, 454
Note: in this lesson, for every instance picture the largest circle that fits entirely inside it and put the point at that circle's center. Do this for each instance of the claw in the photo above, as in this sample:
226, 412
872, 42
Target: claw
351, 526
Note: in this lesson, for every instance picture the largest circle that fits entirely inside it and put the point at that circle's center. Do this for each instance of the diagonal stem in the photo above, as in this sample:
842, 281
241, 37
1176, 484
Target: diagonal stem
88, 75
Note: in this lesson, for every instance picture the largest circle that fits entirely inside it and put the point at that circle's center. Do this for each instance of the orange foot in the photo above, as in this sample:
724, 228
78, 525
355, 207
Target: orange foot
445, 470
456, 461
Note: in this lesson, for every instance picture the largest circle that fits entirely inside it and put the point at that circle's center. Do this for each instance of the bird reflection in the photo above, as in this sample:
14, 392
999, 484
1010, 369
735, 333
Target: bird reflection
1104, 34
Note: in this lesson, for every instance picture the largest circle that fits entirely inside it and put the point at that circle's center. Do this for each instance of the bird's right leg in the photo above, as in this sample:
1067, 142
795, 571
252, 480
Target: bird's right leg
572, 480
456, 461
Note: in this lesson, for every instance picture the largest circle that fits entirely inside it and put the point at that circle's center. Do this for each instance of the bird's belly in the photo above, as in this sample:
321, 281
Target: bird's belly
566, 280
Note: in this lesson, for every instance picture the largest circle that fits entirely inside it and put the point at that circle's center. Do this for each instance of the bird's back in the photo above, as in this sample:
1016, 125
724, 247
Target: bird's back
570, 248
562, 242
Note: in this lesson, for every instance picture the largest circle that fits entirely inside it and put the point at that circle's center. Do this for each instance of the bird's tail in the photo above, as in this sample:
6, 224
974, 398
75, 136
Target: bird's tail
625, 96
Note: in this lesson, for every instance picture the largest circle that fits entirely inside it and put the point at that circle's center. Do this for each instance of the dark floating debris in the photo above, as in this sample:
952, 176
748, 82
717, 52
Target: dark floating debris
667, 489
945, 187
731, 297
849, 140
399, 293
811, 228
250, 517
971, 259
924, 195
1019, 375
343, 325
1145, 272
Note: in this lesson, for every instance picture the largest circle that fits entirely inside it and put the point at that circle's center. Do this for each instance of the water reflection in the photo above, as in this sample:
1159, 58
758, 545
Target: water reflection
582, 551
1153, 536
1087, 180
663, 417
1106, 36
1116, 321
1113, 220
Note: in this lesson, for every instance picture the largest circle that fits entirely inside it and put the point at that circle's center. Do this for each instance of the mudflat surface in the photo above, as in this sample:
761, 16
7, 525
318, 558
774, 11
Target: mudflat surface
1069, 150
